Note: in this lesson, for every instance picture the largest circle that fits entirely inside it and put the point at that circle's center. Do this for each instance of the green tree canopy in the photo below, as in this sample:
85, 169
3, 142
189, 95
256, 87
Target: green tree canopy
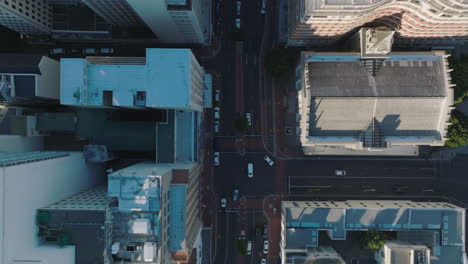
459, 75
43, 218
457, 134
241, 124
279, 63
373, 240
63, 239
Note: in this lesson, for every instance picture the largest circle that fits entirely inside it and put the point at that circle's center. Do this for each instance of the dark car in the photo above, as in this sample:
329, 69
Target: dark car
400, 188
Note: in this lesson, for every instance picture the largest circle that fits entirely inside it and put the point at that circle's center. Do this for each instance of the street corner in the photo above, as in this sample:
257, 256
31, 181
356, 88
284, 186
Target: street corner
272, 206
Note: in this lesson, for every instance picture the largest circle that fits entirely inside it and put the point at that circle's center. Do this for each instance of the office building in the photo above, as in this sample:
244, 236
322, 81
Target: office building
115, 12
26, 16
429, 232
29, 79
176, 21
158, 213
165, 79
424, 22
365, 103
29, 181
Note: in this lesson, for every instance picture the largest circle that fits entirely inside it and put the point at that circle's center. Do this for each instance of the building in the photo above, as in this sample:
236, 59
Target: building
29, 79
29, 181
423, 22
115, 12
387, 104
429, 231
176, 21
26, 17
166, 78
158, 213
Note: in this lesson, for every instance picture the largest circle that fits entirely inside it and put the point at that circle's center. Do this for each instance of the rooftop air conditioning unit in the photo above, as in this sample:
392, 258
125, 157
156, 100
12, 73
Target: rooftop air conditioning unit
140, 98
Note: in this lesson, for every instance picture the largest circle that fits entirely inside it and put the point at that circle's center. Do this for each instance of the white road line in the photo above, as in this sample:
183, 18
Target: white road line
363, 177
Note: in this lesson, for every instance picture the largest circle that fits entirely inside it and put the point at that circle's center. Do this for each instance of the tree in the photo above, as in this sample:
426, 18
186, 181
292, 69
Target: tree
459, 75
373, 240
457, 134
241, 124
63, 239
279, 63
241, 247
43, 218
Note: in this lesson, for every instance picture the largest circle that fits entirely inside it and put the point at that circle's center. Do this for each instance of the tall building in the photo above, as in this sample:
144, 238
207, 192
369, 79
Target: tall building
166, 78
115, 12
29, 181
176, 21
320, 22
371, 102
28, 79
26, 16
425, 232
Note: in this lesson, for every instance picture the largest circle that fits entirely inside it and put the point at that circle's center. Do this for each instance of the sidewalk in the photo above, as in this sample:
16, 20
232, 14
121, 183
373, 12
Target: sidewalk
272, 211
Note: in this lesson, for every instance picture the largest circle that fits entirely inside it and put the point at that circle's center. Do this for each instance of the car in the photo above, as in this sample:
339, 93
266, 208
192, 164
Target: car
263, 11
265, 231
57, 51
89, 51
216, 158
217, 111
106, 50
238, 23
235, 195
268, 160
249, 247
217, 95
216, 126
263, 261
400, 188
223, 203
340, 172
248, 116
238, 8
265, 247
250, 170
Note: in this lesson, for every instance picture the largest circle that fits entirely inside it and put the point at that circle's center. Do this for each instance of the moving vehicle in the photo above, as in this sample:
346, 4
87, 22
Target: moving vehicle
263, 11
217, 94
217, 111
268, 160
340, 172
250, 170
249, 247
263, 261
216, 158
223, 203
249, 118
235, 195
89, 51
265, 231
216, 126
106, 50
238, 8
57, 51
265, 247
238, 23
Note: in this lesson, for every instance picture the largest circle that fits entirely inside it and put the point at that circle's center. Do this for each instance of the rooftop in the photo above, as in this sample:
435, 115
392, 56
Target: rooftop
20, 63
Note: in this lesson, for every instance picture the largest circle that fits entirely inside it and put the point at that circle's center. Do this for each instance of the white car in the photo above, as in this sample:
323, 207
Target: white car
238, 23
263, 261
89, 51
265, 247
216, 126
235, 195
250, 170
223, 203
238, 8
216, 158
106, 50
249, 118
57, 51
268, 160
340, 172
217, 111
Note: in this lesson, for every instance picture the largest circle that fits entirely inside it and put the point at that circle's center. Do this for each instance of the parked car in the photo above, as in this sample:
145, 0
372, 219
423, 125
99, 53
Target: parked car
216, 158
238, 23
217, 95
106, 50
268, 160
248, 116
265, 231
235, 194
217, 111
223, 203
340, 172
57, 51
263, 261
216, 126
238, 8
89, 51
249, 247
263, 11
265, 247
250, 170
